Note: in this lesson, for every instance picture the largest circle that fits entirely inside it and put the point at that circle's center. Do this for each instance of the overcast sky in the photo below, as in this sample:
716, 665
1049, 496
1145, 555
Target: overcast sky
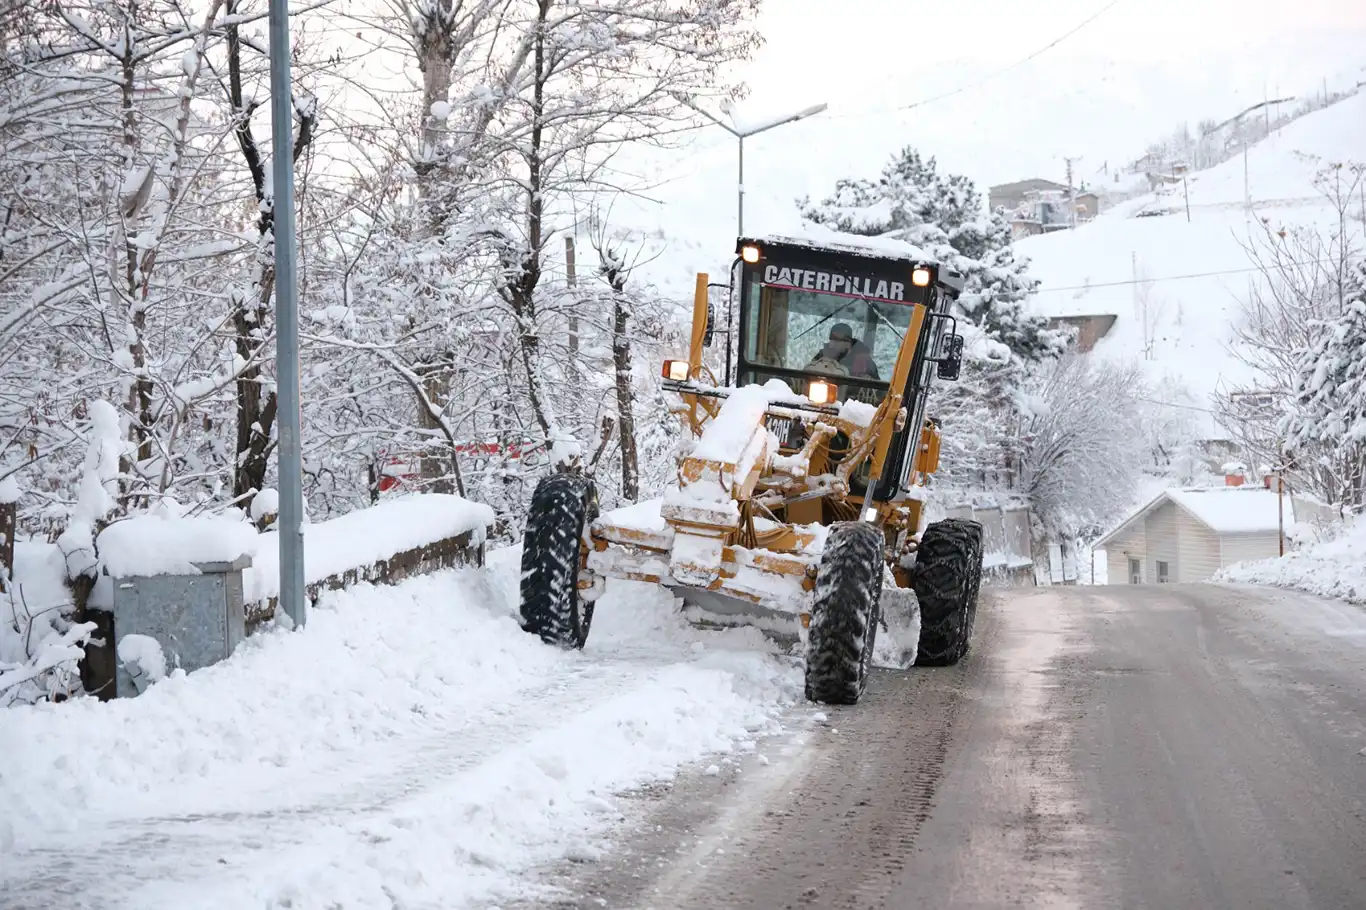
1124, 80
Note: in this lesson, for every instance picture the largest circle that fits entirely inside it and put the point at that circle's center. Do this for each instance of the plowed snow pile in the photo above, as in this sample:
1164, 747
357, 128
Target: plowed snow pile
1333, 568
412, 747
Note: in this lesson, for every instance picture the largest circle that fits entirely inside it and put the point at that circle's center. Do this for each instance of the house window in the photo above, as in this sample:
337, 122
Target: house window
1135, 572
1163, 573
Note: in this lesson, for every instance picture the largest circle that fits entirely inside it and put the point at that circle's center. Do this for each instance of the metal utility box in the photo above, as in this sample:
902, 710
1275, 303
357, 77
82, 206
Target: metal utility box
197, 619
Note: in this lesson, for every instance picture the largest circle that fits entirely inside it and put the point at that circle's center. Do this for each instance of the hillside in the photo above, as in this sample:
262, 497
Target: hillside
1192, 275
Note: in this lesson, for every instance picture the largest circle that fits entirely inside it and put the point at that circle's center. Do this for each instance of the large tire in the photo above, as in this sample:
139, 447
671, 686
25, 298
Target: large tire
844, 614
975, 564
562, 507
948, 572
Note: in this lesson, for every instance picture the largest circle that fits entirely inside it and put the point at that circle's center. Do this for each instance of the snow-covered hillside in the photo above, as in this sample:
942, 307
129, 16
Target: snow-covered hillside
1192, 274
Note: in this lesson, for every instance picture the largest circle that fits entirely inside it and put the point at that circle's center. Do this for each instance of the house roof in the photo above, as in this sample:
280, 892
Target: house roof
1019, 186
1226, 511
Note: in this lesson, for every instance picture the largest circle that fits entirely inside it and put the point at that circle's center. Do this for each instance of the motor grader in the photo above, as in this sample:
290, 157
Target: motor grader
800, 492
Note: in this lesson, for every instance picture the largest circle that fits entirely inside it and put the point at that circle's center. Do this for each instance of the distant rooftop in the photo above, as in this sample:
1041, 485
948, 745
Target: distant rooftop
1020, 186
1224, 510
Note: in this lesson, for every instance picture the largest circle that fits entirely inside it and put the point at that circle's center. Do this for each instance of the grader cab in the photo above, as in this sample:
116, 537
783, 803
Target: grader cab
800, 494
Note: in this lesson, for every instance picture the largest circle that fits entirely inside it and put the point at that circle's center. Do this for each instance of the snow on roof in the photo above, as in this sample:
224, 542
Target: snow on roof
1224, 510
1234, 510
815, 236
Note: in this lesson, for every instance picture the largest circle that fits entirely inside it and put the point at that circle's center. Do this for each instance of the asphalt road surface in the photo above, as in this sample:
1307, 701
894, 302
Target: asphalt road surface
1161, 748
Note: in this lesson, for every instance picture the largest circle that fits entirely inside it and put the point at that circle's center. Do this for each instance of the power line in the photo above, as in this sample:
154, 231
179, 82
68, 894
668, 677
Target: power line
990, 76
1116, 284
1173, 404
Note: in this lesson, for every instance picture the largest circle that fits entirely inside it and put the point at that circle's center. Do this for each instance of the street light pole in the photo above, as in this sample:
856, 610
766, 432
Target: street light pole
742, 135
740, 190
286, 319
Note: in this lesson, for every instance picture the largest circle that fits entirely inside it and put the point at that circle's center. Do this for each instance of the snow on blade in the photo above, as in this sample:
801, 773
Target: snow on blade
735, 436
858, 413
411, 746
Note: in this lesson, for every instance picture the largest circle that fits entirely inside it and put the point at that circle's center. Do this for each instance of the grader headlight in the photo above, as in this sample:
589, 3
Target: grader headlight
677, 370
820, 391
750, 254
920, 277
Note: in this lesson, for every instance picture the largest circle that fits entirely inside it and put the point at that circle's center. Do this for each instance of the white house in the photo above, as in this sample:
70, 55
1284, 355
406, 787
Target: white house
1188, 535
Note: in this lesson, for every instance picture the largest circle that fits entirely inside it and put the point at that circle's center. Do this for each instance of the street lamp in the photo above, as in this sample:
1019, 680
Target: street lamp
743, 134
287, 418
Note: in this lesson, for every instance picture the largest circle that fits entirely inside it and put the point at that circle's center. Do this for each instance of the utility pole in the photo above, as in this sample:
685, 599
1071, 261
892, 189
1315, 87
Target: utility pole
1071, 193
1280, 496
286, 319
570, 278
1241, 123
1140, 305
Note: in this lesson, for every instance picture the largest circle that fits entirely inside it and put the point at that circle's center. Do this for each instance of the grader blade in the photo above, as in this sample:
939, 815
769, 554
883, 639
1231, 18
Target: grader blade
713, 609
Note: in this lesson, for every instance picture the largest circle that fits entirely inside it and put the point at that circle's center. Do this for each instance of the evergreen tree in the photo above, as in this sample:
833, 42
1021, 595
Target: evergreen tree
1327, 420
943, 215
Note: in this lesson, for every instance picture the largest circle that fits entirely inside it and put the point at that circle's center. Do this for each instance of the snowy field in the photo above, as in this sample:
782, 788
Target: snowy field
413, 747
1332, 568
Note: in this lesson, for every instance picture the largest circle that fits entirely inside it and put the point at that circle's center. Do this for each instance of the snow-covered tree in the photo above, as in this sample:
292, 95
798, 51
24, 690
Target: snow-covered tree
1305, 280
1327, 417
943, 215
1081, 436
454, 269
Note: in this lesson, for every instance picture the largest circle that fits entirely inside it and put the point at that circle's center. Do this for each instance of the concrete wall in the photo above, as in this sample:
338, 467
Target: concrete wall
1006, 548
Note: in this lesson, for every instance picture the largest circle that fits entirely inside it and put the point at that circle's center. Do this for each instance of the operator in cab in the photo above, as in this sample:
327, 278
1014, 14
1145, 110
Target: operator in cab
853, 356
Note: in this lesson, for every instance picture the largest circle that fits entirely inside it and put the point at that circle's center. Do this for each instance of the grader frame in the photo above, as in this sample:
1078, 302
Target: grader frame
780, 472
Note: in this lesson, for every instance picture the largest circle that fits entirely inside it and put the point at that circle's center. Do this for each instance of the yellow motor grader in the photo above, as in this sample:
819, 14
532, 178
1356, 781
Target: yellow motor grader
801, 492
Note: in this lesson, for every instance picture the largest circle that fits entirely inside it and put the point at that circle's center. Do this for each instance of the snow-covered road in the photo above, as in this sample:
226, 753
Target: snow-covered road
412, 748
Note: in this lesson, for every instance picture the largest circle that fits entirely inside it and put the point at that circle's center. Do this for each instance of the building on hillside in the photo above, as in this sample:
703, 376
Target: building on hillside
1011, 196
1088, 205
1042, 212
1189, 535
1089, 329
1045, 211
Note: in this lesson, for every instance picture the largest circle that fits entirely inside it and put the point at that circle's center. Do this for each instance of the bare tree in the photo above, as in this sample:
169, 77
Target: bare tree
1081, 432
1303, 282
